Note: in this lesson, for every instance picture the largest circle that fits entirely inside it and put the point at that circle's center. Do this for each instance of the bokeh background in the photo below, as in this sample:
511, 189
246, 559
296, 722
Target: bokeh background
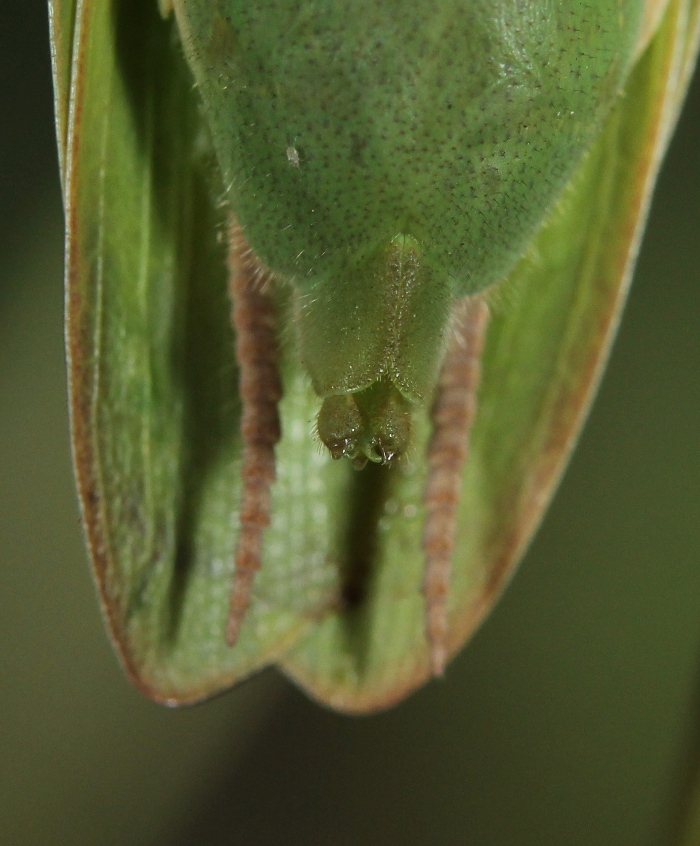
569, 719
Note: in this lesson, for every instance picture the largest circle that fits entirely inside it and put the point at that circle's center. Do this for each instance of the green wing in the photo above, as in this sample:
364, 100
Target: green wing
553, 324
154, 406
62, 19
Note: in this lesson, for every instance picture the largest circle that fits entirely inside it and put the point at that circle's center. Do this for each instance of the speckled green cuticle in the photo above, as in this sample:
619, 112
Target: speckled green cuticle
357, 136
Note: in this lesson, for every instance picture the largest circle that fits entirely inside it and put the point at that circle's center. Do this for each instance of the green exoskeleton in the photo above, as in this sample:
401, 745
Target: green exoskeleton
430, 211
388, 161
428, 145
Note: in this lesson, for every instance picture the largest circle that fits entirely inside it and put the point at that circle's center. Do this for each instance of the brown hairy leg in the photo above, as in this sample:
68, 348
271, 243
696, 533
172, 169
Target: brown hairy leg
260, 389
452, 415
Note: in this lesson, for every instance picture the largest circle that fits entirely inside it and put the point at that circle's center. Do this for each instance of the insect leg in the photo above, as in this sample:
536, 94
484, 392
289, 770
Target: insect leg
260, 388
452, 415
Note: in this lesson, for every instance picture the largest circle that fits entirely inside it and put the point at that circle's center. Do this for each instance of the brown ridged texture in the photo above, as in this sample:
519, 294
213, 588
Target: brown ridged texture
452, 415
260, 390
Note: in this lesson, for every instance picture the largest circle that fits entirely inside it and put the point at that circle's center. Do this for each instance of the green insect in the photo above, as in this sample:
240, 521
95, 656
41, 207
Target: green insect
430, 213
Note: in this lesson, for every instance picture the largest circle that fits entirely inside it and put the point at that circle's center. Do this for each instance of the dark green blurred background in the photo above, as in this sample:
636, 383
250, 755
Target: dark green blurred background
567, 721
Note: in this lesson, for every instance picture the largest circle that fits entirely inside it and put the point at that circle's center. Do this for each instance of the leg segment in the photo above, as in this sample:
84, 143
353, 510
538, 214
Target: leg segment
260, 391
452, 415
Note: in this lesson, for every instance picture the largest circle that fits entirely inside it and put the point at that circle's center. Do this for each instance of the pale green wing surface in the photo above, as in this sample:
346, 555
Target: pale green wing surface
153, 380
154, 404
552, 326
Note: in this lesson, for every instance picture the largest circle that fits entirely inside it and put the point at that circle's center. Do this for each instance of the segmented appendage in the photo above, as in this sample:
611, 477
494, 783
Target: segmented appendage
452, 415
260, 390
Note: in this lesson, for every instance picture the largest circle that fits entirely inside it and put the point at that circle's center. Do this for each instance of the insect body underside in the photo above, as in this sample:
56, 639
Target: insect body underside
451, 416
389, 159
